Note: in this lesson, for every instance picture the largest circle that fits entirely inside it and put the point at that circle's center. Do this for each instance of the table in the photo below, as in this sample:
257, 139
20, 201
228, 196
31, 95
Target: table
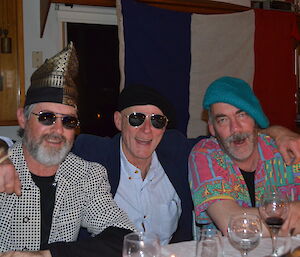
187, 249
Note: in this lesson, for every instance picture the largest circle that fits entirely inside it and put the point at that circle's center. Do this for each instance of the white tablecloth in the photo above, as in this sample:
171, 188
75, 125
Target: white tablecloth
187, 249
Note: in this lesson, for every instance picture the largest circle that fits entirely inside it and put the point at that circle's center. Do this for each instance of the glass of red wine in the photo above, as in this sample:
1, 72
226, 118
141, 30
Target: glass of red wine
274, 209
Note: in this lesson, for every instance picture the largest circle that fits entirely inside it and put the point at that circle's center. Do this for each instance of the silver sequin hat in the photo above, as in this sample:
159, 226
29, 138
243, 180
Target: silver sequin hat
55, 80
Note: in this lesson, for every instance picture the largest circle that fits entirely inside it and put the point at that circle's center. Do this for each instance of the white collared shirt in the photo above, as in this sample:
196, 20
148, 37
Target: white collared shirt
152, 204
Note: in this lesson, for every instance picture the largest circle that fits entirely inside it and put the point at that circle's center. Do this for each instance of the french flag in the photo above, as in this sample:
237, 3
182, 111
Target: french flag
180, 54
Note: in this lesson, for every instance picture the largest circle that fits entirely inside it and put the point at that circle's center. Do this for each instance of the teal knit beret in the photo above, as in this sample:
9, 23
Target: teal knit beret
237, 93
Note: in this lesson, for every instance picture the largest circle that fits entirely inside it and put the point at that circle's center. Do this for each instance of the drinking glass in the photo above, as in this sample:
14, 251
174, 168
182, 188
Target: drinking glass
244, 232
209, 243
141, 244
283, 245
274, 211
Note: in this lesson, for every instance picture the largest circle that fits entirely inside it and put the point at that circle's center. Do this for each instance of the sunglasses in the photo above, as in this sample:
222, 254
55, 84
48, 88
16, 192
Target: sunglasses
136, 119
49, 118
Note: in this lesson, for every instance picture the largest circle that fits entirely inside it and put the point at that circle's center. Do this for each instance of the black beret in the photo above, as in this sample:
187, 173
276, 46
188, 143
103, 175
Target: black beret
137, 94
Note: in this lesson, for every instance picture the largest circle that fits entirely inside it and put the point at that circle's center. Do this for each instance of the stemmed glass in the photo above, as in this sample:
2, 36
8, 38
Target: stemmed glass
141, 244
244, 232
210, 243
274, 211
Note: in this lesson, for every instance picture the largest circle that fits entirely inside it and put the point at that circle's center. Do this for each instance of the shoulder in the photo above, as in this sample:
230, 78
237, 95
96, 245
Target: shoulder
172, 144
207, 154
91, 140
267, 140
81, 167
16, 152
85, 176
94, 148
267, 143
173, 134
207, 146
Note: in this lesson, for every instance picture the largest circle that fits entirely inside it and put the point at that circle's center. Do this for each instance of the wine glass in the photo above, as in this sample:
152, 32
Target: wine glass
274, 211
210, 243
244, 232
141, 244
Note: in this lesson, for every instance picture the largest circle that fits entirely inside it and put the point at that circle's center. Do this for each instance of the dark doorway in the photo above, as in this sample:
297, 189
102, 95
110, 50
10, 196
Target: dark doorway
99, 77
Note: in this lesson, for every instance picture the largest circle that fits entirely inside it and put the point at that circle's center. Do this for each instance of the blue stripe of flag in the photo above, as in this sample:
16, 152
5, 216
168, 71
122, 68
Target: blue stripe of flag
157, 53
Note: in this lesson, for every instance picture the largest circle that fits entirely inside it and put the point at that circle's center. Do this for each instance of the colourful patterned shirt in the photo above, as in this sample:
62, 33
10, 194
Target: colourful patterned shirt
214, 177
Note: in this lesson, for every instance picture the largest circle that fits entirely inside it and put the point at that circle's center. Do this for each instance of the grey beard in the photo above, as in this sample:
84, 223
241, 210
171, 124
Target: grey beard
225, 144
47, 156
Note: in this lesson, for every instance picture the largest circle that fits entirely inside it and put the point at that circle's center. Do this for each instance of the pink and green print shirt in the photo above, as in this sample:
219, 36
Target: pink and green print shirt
214, 177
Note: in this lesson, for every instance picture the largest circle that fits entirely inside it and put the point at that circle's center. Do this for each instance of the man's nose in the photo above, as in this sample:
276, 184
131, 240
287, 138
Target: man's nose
235, 125
147, 125
58, 126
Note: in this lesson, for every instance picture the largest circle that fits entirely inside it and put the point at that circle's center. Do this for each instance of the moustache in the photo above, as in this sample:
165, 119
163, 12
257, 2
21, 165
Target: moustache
54, 137
237, 138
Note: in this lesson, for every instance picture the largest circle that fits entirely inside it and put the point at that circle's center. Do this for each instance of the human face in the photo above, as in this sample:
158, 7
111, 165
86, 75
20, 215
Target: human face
138, 143
49, 145
235, 130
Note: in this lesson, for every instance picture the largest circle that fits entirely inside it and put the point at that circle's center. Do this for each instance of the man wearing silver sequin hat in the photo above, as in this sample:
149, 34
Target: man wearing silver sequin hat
60, 191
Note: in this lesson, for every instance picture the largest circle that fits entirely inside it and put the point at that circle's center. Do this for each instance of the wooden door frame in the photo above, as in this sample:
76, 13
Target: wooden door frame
20, 97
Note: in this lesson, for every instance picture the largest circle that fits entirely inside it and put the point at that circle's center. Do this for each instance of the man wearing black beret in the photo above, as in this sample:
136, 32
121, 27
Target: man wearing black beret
147, 164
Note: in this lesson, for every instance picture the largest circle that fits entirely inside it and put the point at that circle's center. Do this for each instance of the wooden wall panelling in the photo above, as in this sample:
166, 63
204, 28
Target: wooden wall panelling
12, 64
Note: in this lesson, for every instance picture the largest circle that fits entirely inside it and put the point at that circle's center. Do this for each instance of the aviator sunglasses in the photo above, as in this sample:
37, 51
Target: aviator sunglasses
49, 118
136, 119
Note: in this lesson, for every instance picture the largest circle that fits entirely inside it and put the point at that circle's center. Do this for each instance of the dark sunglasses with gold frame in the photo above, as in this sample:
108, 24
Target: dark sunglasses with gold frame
48, 118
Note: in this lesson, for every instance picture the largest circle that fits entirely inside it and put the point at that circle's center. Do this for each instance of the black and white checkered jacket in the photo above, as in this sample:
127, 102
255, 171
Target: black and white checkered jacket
82, 199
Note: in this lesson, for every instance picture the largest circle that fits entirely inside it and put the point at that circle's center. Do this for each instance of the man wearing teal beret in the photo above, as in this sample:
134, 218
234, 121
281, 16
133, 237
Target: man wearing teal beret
230, 171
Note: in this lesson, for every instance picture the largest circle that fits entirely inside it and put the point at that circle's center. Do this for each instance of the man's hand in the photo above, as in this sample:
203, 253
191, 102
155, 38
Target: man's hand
9, 179
221, 211
288, 143
45, 253
292, 223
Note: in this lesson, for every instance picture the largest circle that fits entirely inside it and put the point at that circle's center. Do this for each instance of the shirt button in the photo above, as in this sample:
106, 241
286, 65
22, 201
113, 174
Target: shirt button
25, 219
129, 177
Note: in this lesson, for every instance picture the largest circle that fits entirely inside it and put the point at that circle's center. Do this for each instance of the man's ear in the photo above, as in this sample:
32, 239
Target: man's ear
21, 117
118, 120
211, 128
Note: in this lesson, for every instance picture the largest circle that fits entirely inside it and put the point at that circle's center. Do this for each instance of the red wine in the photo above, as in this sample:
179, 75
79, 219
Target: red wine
274, 223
